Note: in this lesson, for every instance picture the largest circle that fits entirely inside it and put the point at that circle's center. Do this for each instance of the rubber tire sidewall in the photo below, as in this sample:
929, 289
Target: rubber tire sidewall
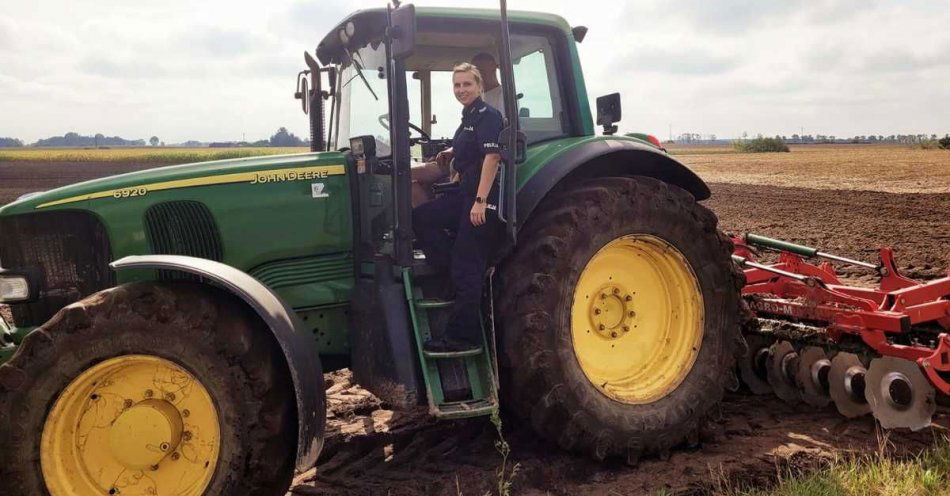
205, 331
545, 381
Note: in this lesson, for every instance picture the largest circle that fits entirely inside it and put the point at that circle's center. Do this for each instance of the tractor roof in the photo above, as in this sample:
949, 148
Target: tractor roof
369, 25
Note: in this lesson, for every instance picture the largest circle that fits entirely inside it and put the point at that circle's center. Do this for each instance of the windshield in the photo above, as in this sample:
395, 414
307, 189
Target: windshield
363, 101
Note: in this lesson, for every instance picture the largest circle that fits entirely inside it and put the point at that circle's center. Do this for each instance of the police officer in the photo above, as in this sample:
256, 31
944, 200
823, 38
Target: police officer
472, 213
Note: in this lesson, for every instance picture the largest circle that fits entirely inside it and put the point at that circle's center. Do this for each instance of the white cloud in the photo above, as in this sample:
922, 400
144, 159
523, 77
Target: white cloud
220, 70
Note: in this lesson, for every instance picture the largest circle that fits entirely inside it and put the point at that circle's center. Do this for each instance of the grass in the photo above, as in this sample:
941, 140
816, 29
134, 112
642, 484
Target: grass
506, 475
145, 154
878, 474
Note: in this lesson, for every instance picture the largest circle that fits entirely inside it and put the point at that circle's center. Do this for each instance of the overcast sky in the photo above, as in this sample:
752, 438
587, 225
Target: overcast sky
219, 70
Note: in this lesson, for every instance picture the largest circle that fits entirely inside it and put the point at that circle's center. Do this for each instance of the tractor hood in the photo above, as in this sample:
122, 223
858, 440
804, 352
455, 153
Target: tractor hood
252, 170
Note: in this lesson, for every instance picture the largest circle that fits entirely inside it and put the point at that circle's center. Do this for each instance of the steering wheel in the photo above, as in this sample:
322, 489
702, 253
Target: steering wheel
423, 136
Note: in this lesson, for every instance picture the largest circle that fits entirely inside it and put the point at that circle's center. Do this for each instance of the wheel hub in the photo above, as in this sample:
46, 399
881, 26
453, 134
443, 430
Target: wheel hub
145, 434
611, 312
131, 425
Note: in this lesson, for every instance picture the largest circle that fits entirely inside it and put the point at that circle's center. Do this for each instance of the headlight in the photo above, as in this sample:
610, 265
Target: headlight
13, 288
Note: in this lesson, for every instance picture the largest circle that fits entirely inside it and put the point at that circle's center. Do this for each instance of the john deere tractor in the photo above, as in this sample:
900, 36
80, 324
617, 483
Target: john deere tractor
171, 327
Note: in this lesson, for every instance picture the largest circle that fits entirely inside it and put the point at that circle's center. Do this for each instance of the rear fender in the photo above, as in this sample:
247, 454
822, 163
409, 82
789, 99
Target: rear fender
300, 351
610, 157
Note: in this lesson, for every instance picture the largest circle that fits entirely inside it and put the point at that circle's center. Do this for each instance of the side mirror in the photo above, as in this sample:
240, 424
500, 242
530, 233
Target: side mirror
303, 92
608, 112
403, 31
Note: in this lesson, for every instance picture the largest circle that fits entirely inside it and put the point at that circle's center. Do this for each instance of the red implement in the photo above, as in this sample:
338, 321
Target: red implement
796, 289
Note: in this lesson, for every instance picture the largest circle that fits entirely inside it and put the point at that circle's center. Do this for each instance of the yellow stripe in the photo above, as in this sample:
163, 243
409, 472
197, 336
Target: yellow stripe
254, 177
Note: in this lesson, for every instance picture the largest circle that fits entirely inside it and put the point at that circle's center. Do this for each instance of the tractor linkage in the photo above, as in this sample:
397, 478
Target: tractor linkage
904, 325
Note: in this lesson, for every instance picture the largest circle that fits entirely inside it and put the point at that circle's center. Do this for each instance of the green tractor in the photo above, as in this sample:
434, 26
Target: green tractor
171, 327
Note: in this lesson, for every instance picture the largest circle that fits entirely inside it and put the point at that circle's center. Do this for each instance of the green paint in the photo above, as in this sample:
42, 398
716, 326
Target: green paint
298, 245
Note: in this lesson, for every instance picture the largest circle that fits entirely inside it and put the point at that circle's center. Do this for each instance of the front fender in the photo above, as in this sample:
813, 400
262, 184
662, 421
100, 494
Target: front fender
607, 157
299, 349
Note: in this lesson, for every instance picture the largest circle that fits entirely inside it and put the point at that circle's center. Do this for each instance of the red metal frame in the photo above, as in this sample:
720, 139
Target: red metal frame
897, 304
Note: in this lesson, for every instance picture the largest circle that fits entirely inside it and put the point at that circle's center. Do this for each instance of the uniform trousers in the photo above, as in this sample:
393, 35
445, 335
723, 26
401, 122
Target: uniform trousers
466, 256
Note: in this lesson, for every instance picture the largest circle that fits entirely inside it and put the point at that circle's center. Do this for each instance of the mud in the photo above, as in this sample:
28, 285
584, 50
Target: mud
27, 176
849, 223
371, 449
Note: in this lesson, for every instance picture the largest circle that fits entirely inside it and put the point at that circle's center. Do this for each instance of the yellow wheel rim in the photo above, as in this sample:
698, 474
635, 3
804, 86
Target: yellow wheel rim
637, 319
131, 425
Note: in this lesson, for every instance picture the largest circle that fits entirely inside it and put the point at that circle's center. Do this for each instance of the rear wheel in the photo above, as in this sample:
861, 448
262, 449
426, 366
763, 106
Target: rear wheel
148, 389
620, 317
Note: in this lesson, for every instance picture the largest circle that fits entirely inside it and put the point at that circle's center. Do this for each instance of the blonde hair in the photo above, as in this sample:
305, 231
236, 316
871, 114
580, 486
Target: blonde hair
467, 67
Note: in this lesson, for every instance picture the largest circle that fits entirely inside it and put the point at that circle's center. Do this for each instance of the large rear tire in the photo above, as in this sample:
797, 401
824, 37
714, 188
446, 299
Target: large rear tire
148, 388
619, 314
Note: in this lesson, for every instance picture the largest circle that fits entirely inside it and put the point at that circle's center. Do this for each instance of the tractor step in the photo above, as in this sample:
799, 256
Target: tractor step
464, 409
433, 303
458, 384
451, 354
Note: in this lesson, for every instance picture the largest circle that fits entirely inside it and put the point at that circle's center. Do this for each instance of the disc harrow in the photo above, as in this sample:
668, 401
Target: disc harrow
882, 350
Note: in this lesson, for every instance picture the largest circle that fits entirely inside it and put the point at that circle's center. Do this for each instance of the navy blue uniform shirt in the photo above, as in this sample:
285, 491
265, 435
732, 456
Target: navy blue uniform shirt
476, 136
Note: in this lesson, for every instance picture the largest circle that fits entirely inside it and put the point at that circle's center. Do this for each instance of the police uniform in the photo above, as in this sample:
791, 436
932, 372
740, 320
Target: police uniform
473, 246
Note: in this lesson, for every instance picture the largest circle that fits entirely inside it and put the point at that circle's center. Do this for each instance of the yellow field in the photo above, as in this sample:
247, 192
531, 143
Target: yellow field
887, 168
144, 154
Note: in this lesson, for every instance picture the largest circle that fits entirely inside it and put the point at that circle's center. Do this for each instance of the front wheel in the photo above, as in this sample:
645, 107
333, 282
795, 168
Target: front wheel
620, 317
144, 389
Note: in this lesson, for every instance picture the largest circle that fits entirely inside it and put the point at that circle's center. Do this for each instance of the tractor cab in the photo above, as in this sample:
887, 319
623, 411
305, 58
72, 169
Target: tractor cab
380, 90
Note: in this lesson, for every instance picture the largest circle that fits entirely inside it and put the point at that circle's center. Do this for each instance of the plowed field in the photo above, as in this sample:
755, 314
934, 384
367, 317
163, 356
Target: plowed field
846, 200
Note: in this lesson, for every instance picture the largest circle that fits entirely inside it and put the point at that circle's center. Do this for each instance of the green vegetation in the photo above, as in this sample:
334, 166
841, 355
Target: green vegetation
875, 474
10, 143
506, 475
157, 155
760, 145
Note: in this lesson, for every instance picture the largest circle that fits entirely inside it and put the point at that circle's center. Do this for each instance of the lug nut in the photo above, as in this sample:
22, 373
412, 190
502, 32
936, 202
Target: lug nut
186, 412
601, 327
186, 435
170, 396
632, 313
613, 334
175, 456
627, 298
127, 404
626, 328
154, 468
596, 311
149, 393
616, 290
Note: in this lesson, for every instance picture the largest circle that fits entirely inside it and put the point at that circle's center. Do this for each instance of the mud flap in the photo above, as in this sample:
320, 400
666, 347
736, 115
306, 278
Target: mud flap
383, 353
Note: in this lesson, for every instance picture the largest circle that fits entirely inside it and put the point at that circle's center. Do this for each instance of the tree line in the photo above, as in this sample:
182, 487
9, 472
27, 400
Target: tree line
796, 139
282, 137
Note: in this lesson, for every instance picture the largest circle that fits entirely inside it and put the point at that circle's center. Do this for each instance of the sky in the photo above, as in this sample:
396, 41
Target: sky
225, 70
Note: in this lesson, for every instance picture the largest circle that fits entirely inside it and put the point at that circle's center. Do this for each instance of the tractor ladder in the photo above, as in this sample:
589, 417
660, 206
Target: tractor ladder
459, 385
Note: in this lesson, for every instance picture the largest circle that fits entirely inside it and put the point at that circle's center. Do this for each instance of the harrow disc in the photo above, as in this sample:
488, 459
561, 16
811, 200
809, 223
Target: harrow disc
846, 381
753, 367
782, 365
899, 394
812, 376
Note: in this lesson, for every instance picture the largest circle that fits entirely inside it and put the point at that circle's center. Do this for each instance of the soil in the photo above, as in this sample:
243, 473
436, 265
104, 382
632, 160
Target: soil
371, 449
26, 176
849, 223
